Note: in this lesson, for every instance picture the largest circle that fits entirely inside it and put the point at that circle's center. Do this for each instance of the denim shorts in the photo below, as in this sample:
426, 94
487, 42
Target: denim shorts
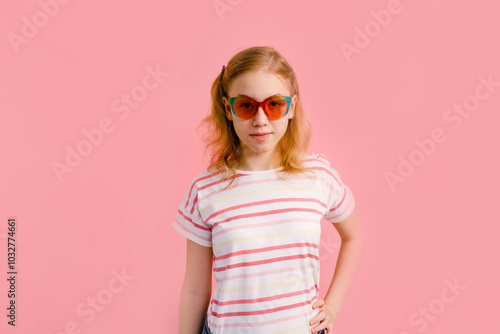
206, 330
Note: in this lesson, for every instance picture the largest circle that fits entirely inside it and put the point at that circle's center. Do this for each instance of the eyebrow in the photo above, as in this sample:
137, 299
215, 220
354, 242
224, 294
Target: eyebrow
243, 95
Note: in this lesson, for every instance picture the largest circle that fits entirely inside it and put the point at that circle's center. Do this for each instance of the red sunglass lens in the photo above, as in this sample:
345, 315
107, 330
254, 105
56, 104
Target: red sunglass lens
276, 107
245, 108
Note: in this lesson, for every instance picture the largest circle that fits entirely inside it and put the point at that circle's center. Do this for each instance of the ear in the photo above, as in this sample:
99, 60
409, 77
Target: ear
227, 108
291, 112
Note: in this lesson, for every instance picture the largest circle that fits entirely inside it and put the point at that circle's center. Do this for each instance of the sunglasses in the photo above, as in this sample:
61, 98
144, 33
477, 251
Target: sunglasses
275, 107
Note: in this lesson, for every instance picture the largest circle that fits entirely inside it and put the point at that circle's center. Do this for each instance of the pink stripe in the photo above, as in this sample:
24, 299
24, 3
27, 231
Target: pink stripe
265, 213
259, 262
338, 213
204, 187
328, 171
265, 273
200, 179
235, 185
322, 162
192, 233
264, 249
241, 184
271, 223
194, 203
276, 200
308, 315
192, 222
218, 181
342, 201
276, 309
265, 299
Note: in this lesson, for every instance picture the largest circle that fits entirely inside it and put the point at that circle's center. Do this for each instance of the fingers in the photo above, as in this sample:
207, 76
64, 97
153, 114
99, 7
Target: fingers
318, 303
327, 327
318, 317
318, 328
321, 318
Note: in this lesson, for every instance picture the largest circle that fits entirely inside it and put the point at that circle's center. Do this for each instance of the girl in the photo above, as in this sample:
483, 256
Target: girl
254, 214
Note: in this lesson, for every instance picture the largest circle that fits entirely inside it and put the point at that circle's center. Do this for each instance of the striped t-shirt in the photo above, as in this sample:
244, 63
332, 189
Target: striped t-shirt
265, 234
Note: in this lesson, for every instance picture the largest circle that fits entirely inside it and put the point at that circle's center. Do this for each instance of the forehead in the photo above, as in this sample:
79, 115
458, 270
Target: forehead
258, 85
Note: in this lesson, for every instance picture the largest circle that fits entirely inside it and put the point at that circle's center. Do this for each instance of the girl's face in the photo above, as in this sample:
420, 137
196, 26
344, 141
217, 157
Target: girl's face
259, 85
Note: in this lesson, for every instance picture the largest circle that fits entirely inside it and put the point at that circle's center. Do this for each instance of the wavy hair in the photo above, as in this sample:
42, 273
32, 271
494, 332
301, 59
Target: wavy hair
221, 139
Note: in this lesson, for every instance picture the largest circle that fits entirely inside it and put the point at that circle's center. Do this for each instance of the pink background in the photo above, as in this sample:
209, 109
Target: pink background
113, 211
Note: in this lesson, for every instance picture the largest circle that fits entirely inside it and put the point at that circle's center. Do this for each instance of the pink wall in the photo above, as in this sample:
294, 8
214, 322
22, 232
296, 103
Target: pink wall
383, 83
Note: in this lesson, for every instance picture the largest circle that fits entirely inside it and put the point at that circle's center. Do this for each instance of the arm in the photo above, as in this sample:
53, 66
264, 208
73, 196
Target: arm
352, 234
196, 288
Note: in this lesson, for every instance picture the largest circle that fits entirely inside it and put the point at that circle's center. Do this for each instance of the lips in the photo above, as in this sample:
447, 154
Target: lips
260, 136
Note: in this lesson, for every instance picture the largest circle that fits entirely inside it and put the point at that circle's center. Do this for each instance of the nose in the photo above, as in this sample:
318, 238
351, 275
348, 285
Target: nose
260, 118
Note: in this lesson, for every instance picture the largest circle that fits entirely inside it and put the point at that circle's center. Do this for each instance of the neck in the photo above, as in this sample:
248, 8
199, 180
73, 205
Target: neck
256, 162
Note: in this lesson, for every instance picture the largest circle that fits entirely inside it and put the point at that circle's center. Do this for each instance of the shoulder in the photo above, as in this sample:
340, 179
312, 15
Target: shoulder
319, 162
206, 178
315, 160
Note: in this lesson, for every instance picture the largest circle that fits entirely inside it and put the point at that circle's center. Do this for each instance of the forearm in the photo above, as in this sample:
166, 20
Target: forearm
348, 261
192, 311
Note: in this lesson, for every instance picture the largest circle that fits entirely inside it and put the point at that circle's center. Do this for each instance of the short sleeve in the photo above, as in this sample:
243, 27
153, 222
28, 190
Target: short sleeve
188, 220
340, 199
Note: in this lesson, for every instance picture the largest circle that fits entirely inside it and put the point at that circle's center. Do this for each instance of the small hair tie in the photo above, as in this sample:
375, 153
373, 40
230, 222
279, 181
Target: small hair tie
223, 68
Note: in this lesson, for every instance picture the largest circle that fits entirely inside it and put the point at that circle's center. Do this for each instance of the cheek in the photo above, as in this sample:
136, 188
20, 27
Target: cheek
281, 127
239, 129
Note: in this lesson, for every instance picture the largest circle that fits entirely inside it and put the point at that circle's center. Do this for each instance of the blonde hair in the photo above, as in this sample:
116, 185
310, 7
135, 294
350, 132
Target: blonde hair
221, 138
